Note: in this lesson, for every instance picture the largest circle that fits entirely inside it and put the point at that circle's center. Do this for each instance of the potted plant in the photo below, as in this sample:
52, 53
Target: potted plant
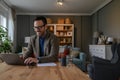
5, 43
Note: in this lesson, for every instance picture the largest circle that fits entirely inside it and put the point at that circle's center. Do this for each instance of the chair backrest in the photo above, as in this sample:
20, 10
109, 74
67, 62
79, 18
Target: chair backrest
115, 50
118, 50
82, 56
113, 47
75, 51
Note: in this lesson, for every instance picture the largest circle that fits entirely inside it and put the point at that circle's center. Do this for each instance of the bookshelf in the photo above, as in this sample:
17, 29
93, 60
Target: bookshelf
65, 33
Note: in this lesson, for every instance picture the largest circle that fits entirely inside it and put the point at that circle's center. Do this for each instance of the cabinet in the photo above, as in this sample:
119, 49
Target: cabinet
102, 51
65, 33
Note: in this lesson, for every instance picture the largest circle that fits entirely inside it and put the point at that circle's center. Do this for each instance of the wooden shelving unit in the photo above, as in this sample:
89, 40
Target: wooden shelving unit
65, 32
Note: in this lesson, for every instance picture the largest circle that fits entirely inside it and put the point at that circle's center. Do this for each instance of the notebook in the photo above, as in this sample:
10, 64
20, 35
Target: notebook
12, 59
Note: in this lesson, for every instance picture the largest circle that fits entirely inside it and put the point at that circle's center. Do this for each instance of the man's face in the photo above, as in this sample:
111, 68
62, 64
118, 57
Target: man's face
39, 27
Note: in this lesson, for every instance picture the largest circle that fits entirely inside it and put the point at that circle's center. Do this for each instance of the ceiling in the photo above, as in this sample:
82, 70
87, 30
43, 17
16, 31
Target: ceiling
70, 7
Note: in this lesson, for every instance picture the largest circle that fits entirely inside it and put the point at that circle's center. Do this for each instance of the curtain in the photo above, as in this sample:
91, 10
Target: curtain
10, 25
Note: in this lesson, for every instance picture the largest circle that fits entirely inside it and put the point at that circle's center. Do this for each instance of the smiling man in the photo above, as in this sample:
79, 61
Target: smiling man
43, 46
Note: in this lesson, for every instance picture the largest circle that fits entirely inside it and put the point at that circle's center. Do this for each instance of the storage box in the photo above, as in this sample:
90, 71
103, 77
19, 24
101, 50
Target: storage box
61, 21
67, 21
60, 27
69, 33
49, 21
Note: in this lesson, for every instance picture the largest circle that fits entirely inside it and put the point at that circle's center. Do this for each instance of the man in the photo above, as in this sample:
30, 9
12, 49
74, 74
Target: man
44, 46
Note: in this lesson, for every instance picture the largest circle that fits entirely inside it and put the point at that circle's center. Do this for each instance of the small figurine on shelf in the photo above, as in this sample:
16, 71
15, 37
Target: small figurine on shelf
102, 39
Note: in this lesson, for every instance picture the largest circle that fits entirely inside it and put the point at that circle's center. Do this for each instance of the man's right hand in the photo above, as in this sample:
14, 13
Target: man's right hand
30, 60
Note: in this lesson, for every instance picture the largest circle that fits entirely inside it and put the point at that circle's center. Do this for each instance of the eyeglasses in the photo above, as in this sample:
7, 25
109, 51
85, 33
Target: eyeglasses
38, 27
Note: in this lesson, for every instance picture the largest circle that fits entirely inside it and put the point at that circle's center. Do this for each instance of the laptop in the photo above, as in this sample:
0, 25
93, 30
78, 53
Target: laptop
12, 59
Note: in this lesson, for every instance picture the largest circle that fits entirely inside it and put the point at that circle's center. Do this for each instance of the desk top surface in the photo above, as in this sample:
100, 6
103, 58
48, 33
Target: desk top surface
12, 72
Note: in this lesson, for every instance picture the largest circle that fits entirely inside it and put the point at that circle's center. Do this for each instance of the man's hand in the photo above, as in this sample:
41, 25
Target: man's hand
30, 60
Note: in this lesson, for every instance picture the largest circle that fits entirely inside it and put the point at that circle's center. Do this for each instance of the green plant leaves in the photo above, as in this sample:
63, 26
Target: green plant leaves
5, 43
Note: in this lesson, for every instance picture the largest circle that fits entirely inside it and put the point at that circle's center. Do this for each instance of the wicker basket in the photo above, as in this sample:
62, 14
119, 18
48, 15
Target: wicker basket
61, 21
49, 20
67, 21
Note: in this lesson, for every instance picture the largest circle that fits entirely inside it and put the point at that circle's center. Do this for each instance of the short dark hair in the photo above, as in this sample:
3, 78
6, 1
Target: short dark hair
41, 18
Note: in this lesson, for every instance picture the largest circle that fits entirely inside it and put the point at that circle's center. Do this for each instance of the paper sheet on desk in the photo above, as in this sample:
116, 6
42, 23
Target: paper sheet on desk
46, 64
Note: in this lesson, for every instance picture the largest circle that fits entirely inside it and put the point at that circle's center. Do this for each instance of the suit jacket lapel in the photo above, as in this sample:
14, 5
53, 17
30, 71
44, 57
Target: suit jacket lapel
46, 46
37, 47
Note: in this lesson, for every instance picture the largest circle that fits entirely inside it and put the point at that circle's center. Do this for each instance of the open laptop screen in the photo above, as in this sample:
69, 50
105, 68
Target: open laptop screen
12, 59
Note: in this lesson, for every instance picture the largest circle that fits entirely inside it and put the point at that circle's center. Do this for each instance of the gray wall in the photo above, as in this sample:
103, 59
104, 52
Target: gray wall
82, 33
22, 30
107, 20
86, 32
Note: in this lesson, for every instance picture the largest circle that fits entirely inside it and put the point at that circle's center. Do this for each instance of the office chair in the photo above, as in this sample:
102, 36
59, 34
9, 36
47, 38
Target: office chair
102, 69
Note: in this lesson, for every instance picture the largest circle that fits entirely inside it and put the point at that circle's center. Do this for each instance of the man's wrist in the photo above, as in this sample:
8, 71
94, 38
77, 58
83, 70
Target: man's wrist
38, 60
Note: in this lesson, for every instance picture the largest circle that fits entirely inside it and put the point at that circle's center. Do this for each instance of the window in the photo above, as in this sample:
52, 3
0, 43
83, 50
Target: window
6, 20
3, 21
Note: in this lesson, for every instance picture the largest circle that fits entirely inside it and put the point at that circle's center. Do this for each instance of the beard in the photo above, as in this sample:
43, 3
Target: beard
40, 33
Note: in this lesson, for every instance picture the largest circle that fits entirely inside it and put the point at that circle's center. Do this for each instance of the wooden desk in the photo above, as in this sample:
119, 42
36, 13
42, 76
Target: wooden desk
11, 72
